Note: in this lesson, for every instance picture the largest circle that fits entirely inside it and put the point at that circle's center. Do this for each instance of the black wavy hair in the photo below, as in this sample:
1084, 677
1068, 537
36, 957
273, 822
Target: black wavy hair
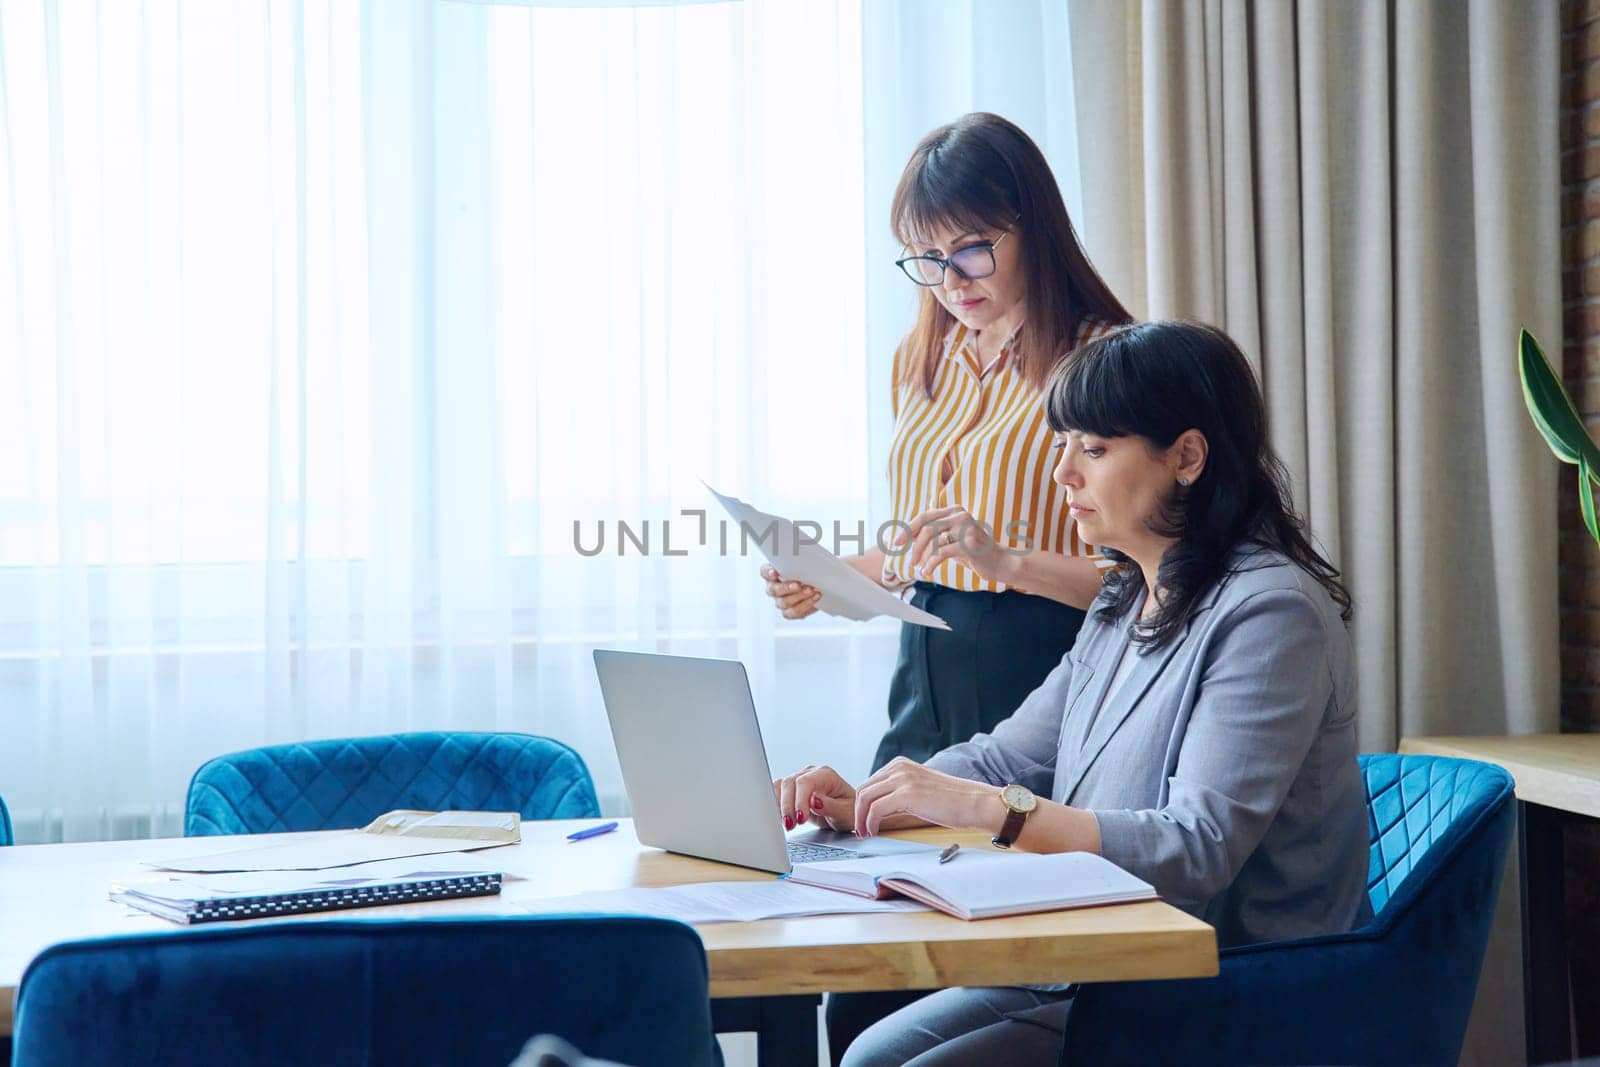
1156, 380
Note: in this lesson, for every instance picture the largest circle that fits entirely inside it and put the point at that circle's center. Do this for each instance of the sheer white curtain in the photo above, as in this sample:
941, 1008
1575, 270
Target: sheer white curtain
329, 331
925, 63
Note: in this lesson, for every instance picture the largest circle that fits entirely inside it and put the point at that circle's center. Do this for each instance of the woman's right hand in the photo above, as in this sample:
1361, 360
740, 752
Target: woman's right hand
816, 794
795, 600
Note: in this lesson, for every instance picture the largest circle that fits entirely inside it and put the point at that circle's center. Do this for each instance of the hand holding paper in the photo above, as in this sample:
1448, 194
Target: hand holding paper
845, 592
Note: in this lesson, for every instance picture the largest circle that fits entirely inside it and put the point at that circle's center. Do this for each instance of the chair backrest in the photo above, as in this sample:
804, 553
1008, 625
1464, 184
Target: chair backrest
5, 824
409, 991
1416, 804
1397, 990
336, 785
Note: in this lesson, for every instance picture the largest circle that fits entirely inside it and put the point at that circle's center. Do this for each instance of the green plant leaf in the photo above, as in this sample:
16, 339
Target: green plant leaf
1586, 476
1553, 412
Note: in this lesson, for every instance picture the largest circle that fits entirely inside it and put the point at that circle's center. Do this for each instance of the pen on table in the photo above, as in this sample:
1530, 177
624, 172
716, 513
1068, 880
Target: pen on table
593, 831
949, 852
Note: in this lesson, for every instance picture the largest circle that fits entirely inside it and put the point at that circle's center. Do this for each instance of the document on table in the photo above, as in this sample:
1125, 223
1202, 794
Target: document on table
719, 902
333, 850
493, 827
845, 591
192, 887
266, 894
392, 835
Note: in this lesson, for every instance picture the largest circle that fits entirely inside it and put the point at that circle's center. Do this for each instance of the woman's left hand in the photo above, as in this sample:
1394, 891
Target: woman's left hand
951, 533
903, 786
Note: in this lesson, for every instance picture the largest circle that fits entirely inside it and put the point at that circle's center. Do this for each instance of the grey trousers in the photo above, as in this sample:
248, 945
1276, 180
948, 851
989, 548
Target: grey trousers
1002, 1024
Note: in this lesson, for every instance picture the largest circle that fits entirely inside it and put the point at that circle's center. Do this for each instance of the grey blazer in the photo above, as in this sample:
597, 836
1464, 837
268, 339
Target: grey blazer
1223, 771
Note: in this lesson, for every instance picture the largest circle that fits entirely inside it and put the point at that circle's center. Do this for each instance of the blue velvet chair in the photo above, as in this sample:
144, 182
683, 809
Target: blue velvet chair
1398, 990
336, 785
465, 991
5, 839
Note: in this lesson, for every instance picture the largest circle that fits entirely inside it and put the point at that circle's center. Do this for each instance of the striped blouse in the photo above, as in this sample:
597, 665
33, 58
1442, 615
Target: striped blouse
981, 441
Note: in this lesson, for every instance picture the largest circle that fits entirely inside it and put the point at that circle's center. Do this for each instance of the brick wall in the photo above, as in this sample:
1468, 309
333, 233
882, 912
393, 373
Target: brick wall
1580, 558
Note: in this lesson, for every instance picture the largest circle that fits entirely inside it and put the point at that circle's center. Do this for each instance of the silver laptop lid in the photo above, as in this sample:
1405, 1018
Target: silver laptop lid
692, 758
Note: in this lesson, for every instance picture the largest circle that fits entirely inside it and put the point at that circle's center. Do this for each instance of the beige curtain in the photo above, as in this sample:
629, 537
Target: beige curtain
1366, 196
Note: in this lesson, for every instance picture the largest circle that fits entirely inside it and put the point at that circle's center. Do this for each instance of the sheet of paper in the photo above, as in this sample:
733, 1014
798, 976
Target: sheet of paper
333, 850
719, 902
845, 592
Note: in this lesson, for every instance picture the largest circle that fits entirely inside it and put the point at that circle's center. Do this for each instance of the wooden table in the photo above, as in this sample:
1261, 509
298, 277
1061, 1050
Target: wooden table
766, 976
1557, 779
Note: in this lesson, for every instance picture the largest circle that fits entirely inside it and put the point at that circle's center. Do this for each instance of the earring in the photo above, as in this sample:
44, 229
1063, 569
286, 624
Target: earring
1184, 482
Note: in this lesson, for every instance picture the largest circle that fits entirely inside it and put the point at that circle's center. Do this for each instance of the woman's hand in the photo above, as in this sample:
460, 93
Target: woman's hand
815, 793
941, 534
795, 600
905, 787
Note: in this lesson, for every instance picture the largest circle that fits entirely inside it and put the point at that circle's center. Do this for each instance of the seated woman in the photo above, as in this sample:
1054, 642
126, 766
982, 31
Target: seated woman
1200, 733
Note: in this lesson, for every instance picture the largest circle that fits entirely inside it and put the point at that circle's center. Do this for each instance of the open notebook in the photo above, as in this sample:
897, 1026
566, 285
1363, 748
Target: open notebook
983, 885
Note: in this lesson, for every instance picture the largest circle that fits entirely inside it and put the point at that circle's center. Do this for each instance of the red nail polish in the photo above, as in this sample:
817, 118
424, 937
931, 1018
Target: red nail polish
816, 803
788, 823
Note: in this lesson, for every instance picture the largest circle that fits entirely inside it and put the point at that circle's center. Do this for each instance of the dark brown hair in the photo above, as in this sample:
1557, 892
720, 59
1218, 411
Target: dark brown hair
1156, 380
983, 173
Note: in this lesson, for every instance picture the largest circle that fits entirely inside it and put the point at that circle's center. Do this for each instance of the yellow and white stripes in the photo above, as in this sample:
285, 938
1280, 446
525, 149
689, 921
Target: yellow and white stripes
981, 441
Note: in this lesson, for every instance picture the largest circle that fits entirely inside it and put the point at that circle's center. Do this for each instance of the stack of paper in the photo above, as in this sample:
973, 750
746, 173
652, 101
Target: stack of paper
718, 902
252, 894
489, 827
394, 835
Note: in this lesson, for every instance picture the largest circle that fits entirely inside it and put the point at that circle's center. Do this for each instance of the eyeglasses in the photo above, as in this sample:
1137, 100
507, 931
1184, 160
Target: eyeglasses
972, 262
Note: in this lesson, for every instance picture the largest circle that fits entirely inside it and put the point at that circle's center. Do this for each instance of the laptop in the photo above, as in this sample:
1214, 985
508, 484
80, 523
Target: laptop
695, 769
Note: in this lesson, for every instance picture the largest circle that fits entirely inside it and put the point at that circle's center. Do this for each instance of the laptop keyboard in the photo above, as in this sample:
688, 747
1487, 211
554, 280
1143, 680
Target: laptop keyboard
806, 852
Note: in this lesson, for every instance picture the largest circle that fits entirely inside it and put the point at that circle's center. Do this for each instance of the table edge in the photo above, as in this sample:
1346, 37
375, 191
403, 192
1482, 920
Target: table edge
1535, 784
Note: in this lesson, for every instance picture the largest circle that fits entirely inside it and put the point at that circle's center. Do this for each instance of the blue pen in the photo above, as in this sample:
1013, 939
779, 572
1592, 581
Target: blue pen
593, 831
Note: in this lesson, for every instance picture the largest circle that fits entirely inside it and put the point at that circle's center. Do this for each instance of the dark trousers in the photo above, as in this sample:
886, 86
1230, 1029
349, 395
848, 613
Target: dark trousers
948, 686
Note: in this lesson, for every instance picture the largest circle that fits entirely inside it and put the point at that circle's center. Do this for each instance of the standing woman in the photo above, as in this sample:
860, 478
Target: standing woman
987, 543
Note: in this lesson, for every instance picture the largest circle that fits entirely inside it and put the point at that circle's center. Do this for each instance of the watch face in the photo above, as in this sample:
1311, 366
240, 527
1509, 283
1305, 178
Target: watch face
1019, 798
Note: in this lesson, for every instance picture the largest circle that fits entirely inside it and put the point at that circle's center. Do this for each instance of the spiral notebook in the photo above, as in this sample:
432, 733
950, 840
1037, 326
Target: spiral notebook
189, 901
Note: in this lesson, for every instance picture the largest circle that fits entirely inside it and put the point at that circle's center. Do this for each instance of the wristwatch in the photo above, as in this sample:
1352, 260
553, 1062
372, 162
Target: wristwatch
1019, 801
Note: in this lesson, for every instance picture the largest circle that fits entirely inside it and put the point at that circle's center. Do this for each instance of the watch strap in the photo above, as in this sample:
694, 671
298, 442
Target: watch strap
1010, 828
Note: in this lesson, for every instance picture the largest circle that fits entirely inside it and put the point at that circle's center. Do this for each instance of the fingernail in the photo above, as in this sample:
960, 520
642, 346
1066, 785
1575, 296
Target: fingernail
788, 823
816, 803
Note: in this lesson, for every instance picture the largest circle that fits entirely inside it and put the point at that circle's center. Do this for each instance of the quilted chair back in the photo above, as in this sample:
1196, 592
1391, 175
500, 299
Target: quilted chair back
1397, 991
336, 785
1415, 803
5, 824
468, 991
